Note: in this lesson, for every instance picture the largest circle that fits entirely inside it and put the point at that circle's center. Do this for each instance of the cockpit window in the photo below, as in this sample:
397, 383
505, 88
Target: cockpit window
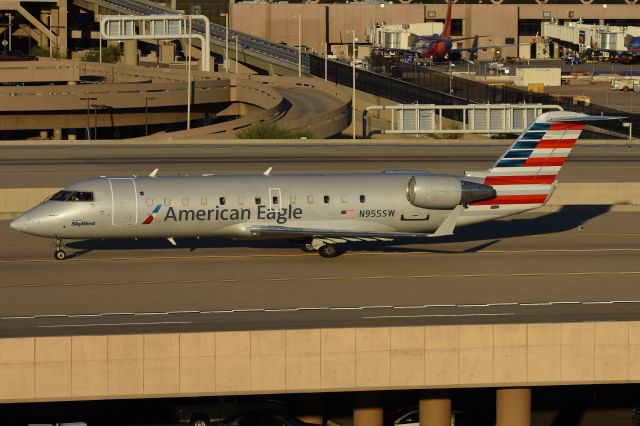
72, 196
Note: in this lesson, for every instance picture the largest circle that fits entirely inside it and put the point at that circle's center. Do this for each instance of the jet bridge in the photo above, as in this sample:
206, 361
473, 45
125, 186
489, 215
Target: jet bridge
605, 37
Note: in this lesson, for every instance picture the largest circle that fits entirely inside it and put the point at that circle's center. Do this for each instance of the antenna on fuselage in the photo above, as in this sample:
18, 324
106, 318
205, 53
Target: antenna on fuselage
153, 173
268, 171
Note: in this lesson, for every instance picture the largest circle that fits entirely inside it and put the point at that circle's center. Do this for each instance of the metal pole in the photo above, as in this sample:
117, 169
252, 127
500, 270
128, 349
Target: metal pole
326, 59
100, 46
226, 41
236, 54
189, 77
10, 48
353, 95
299, 45
50, 44
88, 118
95, 122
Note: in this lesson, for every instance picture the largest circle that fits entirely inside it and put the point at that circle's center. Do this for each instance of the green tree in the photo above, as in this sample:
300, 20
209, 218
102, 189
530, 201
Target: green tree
110, 55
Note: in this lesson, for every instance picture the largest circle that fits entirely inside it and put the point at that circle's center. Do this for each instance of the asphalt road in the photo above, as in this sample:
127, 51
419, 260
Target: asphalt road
58, 166
306, 102
575, 265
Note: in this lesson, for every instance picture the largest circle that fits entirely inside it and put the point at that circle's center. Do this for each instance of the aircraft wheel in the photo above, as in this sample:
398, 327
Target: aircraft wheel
60, 254
328, 251
307, 248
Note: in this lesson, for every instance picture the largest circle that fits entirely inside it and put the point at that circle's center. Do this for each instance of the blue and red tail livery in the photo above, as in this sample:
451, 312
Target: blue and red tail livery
525, 175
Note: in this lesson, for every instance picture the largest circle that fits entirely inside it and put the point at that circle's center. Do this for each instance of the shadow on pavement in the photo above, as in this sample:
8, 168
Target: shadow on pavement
569, 217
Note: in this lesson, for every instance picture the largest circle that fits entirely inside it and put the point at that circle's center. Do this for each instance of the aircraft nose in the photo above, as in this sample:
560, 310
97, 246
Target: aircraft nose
19, 224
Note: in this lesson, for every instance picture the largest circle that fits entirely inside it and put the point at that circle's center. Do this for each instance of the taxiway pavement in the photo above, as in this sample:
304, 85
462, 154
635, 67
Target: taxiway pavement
578, 264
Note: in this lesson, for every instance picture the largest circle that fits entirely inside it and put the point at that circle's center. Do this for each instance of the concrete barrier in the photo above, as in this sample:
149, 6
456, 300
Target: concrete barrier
318, 360
622, 196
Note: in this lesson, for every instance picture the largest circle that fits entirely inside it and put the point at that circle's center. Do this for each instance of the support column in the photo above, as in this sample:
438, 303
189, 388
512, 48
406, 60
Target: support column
57, 134
367, 409
513, 407
309, 408
435, 408
131, 52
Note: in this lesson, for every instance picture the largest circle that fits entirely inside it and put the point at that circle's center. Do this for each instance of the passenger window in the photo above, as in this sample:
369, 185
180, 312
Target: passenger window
222, 201
167, 201
362, 199
326, 199
274, 200
241, 200
344, 199
185, 201
258, 200
203, 201
292, 199
310, 199
149, 202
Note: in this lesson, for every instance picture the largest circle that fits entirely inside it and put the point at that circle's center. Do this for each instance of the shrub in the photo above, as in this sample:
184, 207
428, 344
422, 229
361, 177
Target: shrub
264, 130
110, 55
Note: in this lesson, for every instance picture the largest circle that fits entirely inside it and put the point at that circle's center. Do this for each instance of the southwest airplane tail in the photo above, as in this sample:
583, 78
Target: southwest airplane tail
317, 211
446, 31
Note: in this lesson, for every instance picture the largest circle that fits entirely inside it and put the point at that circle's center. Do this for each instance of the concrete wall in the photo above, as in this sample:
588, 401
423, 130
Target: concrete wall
623, 196
220, 363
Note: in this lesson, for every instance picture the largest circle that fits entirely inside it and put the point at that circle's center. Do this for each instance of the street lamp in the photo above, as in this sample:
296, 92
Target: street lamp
226, 41
88, 99
326, 59
10, 16
353, 77
299, 45
189, 77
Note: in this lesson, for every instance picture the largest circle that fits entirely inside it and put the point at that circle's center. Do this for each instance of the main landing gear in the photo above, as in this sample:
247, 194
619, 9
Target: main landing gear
58, 251
326, 250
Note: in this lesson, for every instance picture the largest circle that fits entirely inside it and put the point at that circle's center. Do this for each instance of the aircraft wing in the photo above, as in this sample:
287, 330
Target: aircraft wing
289, 232
445, 228
493, 46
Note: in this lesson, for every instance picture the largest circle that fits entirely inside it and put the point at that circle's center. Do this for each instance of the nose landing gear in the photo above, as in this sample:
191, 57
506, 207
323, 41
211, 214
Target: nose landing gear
58, 251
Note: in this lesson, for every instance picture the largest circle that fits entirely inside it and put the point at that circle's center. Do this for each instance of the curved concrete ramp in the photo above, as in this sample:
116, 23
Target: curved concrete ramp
137, 96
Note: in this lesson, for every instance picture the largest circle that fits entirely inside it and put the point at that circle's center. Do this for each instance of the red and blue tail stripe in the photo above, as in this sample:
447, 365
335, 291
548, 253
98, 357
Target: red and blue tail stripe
525, 175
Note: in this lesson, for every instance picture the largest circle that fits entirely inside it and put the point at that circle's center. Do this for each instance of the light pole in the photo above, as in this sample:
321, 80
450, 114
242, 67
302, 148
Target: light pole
226, 41
146, 114
236, 54
299, 45
88, 99
50, 32
9, 15
353, 77
189, 77
326, 59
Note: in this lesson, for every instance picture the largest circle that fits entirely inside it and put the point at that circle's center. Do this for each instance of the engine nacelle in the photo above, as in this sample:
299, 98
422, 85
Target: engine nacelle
445, 192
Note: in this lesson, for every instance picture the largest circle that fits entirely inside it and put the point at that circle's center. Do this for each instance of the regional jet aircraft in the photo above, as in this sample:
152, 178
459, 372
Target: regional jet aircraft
318, 211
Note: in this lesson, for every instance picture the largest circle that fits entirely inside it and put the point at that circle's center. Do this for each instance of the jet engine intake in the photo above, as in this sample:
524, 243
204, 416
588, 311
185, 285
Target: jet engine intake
445, 192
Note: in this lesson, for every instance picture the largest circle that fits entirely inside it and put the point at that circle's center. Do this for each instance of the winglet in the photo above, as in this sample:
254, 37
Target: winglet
268, 171
172, 241
153, 173
447, 227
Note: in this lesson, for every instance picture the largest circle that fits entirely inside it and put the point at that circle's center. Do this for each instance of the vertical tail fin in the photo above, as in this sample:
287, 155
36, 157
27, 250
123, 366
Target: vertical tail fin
524, 177
446, 32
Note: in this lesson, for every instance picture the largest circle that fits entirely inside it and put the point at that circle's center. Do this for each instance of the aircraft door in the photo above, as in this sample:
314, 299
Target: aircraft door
275, 199
123, 202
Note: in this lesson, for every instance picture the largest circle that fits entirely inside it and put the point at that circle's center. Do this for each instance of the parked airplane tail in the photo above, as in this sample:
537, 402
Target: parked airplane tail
525, 176
446, 32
